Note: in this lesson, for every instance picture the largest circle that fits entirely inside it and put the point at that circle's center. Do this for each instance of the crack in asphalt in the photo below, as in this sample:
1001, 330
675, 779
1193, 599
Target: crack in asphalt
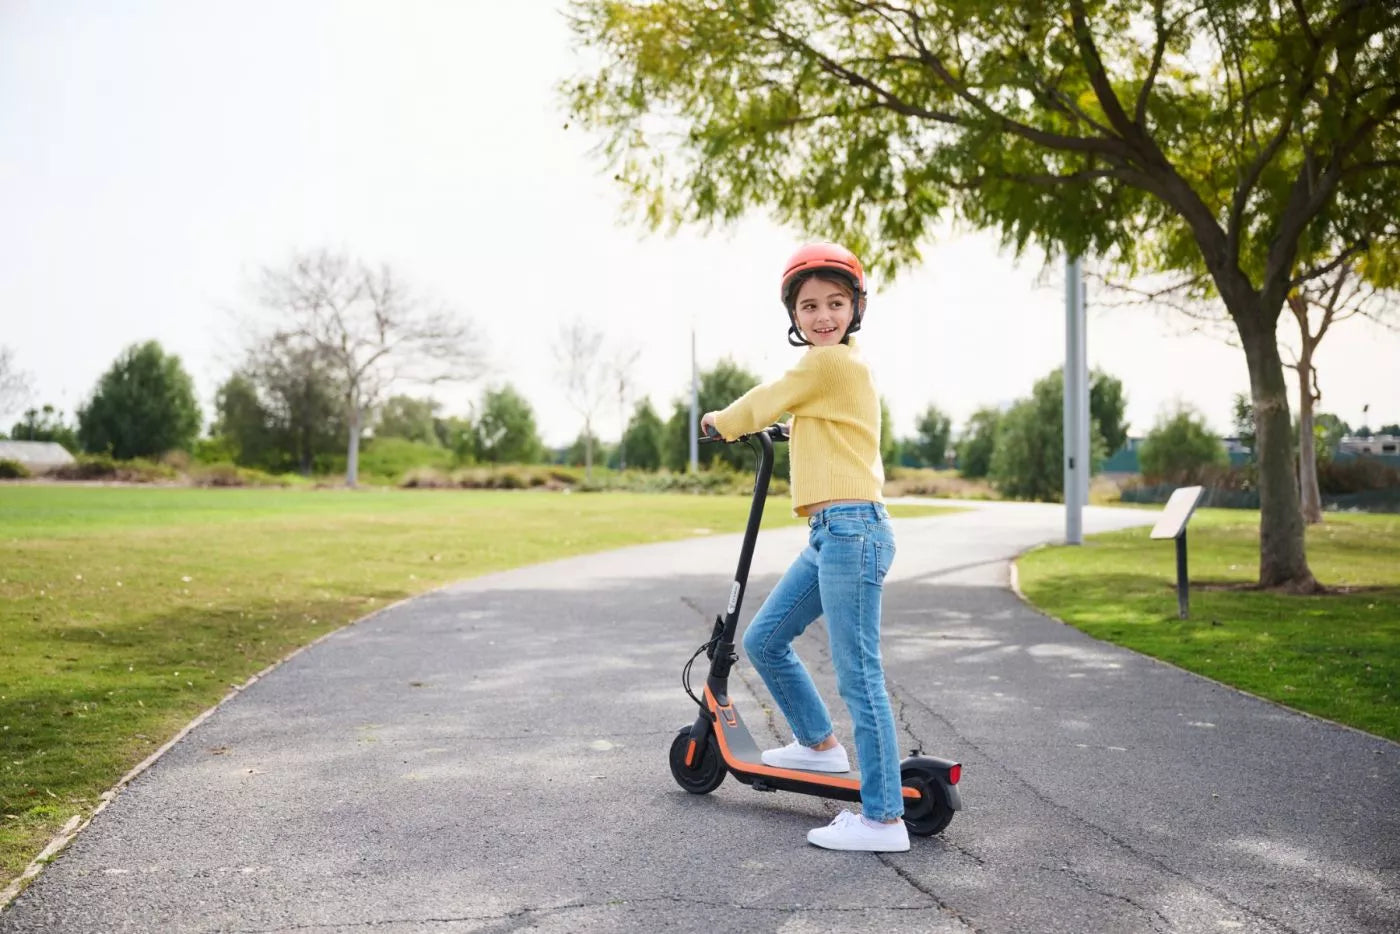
544, 910
1143, 856
1154, 915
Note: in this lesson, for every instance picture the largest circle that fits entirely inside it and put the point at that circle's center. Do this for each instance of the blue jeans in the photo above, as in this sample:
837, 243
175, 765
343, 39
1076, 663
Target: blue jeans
841, 573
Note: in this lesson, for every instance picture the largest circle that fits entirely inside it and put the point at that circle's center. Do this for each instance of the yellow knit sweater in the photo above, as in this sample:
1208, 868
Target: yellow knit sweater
835, 443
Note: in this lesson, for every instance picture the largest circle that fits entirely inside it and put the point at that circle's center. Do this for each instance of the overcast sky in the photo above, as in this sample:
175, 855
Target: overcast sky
154, 155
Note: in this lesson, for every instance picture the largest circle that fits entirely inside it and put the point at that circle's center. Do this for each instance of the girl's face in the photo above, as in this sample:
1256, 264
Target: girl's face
823, 311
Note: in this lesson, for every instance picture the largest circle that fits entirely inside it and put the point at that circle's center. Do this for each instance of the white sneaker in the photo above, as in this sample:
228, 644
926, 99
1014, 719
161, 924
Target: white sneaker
849, 832
797, 756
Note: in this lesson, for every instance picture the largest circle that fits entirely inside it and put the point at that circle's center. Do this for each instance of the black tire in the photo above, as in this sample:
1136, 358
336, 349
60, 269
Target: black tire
702, 776
930, 814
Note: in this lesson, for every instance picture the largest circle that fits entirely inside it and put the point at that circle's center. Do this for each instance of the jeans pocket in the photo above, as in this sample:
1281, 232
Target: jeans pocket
882, 550
849, 529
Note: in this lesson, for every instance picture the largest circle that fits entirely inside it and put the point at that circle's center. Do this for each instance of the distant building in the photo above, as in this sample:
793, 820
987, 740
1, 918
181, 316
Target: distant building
1376, 444
37, 456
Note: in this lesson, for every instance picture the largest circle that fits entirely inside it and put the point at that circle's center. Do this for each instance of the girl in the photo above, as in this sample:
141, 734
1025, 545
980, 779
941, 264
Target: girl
836, 483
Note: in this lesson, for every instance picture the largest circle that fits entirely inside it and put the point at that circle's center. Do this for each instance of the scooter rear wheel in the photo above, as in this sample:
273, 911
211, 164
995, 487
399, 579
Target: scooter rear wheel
930, 814
706, 770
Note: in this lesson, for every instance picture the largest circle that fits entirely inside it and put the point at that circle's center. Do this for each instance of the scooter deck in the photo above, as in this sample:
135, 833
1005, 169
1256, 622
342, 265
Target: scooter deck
743, 758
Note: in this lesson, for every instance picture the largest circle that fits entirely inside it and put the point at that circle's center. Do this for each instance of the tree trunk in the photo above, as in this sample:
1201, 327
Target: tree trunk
1311, 496
352, 454
588, 449
1282, 558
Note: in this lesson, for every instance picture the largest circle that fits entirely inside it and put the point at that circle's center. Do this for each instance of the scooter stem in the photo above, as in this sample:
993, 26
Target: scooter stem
724, 656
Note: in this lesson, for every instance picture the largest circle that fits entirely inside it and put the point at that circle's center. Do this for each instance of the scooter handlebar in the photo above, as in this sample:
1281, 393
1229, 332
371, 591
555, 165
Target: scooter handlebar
778, 432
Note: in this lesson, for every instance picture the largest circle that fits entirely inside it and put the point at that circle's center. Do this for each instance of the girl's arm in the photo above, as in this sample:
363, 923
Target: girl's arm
761, 405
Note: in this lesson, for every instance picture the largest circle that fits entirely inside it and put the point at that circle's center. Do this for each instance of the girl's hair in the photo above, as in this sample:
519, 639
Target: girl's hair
822, 275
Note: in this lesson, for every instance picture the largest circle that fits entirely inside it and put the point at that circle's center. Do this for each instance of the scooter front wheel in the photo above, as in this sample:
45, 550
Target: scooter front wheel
706, 769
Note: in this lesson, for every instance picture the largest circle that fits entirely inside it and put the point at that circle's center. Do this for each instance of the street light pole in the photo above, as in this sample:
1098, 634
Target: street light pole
1076, 404
694, 407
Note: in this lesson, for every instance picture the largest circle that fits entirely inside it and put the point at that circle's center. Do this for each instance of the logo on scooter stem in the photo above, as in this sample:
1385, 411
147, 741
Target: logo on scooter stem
733, 597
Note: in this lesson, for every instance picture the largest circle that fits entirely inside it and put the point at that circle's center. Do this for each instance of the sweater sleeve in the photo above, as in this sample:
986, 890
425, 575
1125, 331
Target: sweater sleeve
761, 405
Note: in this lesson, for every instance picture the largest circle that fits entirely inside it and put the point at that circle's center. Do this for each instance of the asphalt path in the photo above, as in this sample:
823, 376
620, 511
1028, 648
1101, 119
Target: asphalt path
491, 757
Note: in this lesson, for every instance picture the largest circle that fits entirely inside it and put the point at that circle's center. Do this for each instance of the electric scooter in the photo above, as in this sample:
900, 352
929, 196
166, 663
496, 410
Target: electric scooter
719, 743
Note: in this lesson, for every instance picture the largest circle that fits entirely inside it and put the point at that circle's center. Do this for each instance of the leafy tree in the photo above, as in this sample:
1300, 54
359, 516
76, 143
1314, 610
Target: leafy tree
977, 443
1179, 446
505, 429
245, 425
1107, 405
143, 406
1242, 138
45, 424
410, 418
719, 386
1331, 429
1243, 424
934, 428
583, 451
458, 435
641, 442
1391, 429
889, 445
1028, 457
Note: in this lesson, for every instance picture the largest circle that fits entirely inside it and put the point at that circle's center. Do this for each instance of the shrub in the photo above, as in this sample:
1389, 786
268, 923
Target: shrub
13, 470
1356, 475
231, 475
104, 467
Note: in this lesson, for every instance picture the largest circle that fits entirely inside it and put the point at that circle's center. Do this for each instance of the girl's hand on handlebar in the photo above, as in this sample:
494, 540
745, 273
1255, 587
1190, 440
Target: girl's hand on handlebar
707, 425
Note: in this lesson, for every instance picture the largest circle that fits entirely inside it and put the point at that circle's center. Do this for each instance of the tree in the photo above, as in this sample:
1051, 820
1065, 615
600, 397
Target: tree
14, 383
620, 370
934, 428
719, 386
641, 442
1027, 460
583, 373
1330, 430
1179, 446
143, 406
889, 444
977, 443
1107, 405
45, 424
368, 329
505, 429
1391, 429
1241, 137
245, 425
282, 409
1243, 424
458, 435
410, 418
1317, 306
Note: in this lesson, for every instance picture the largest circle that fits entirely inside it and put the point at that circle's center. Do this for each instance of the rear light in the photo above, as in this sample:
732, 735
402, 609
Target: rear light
954, 774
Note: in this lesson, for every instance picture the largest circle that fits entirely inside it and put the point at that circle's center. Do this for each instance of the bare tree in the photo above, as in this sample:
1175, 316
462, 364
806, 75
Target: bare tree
1326, 297
369, 329
1340, 294
584, 374
14, 383
623, 362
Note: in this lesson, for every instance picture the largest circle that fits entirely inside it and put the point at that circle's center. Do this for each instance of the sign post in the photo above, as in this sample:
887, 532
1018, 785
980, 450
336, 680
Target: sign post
1172, 525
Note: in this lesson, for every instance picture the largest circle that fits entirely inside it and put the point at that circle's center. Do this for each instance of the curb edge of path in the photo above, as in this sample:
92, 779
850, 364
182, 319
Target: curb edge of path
1015, 582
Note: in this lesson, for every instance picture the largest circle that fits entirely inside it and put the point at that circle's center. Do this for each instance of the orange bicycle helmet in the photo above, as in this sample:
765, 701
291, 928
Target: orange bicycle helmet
828, 258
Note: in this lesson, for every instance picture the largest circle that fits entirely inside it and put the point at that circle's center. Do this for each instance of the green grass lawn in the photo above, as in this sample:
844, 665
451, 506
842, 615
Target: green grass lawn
125, 611
1335, 655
